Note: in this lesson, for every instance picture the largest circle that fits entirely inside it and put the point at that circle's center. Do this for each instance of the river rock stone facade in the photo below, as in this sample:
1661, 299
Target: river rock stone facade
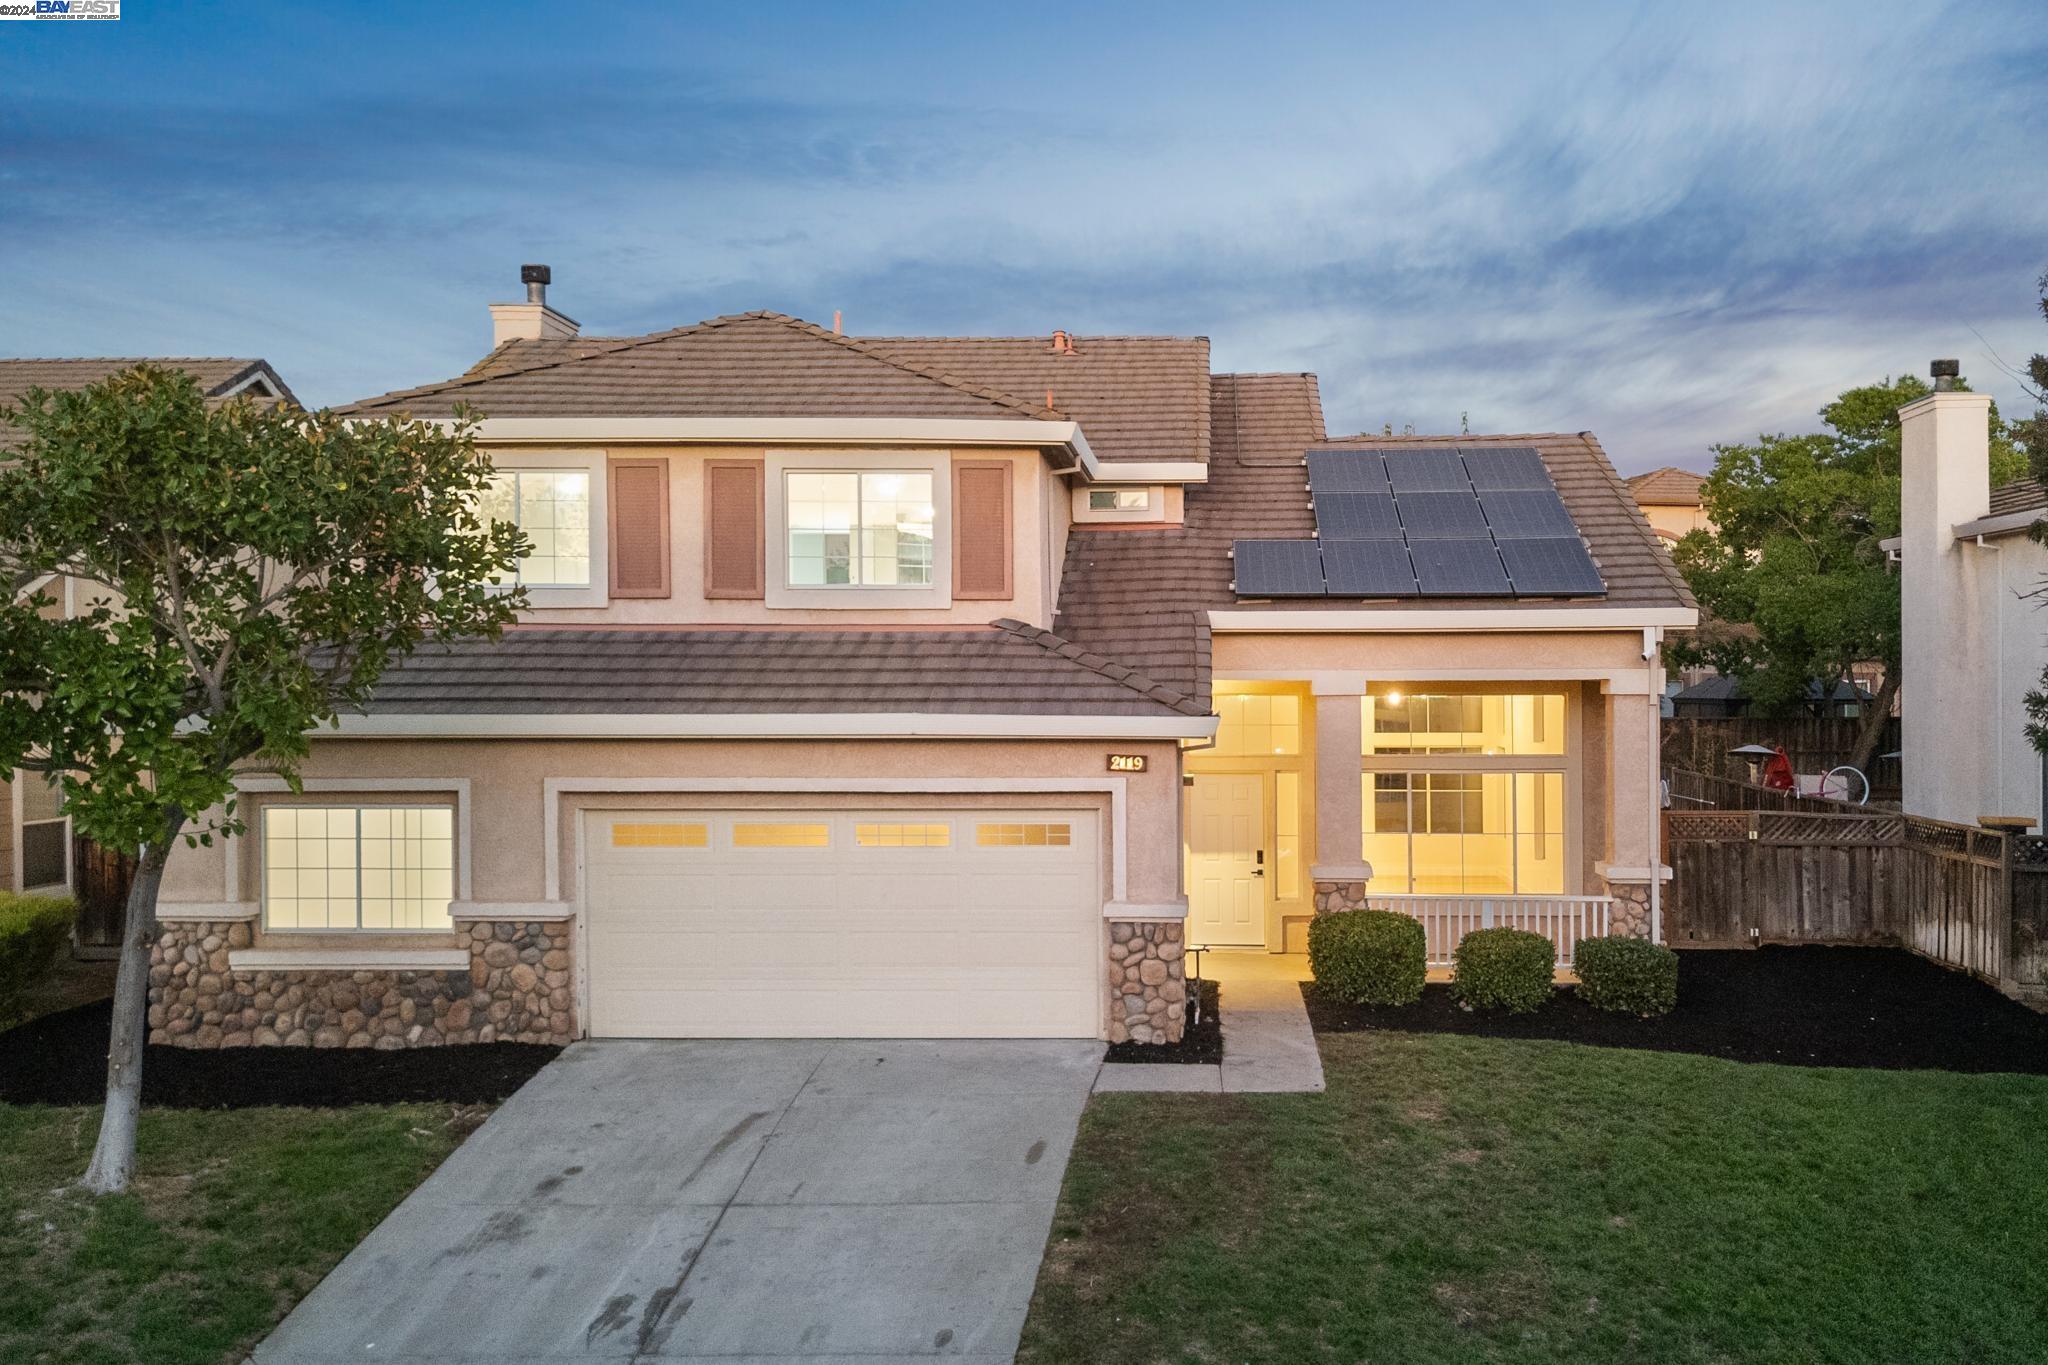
1629, 917
1332, 897
518, 988
1148, 989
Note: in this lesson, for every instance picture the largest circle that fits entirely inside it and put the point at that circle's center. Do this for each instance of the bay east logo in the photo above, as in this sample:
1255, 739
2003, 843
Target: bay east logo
60, 9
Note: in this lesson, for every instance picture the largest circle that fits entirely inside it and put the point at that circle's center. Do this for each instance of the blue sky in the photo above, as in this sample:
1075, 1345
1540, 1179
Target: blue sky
1669, 225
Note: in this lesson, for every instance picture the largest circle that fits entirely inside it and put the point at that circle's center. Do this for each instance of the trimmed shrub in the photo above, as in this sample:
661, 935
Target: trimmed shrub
1368, 957
1504, 968
1627, 975
32, 929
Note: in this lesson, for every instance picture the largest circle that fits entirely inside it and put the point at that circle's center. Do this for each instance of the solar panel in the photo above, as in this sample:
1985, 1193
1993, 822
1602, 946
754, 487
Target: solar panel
1505, 467
1459, 568
1278, 568
1527, 514
1356, 516
1368, 568
1427, 471
1441, 516
1558, 566
1346, 471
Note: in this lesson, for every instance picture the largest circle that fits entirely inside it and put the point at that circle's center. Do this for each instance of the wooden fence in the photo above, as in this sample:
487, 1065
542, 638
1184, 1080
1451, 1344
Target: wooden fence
1813, 743
99, 880
1969, 898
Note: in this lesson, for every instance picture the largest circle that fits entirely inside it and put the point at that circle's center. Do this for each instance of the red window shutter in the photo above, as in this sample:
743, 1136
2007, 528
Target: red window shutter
981, 529
735, 563
637, 538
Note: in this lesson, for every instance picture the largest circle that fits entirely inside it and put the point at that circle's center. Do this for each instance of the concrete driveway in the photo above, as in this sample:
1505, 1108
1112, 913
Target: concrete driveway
777, 1201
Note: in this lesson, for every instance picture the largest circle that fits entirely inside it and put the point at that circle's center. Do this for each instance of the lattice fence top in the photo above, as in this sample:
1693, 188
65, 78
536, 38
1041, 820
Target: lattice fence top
2029, 850
1787, 827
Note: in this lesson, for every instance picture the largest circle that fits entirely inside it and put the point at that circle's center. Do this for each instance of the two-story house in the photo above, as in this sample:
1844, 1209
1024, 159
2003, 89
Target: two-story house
928, 686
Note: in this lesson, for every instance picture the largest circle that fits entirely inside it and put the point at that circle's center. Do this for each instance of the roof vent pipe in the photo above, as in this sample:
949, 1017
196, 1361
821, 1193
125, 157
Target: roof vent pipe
536, 278
1062, 343
1946, 373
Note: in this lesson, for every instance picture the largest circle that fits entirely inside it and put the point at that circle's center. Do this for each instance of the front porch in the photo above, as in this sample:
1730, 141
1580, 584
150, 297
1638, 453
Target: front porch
1526, 801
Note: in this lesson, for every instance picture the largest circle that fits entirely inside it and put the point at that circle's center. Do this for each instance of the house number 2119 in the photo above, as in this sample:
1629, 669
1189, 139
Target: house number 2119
1127, 763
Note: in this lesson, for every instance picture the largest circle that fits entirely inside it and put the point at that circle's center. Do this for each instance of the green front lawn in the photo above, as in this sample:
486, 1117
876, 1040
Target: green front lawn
235, 1215
1470, 1199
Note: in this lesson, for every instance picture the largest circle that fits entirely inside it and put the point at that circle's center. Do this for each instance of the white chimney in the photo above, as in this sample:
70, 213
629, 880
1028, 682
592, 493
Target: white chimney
532, 320
1945, 475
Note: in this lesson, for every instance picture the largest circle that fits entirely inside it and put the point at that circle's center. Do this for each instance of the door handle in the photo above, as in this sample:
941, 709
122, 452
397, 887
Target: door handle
1258, 872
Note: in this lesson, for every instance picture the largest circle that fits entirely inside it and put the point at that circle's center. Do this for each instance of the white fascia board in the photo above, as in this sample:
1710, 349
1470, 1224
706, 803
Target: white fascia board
1468, 620
768, 725
2005, 523
1147, 471
946, 431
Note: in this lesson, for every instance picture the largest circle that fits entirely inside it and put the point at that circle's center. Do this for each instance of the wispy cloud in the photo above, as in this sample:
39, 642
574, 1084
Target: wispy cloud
1673, 230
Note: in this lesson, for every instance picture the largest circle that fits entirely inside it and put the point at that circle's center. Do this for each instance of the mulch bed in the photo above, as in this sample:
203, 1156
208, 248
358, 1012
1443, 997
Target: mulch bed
1200, 1044
62, 1059
1880, 1008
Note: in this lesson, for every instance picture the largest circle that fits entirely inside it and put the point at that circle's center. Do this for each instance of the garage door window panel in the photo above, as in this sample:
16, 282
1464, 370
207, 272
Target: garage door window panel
751, 834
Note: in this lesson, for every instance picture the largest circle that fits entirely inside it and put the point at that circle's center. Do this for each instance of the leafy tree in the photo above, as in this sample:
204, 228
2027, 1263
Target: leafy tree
1791, 581
249, 572
2033, 435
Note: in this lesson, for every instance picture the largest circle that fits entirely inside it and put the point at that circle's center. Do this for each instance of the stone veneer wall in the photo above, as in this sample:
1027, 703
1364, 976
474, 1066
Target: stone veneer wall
1332, 897
1148, 988
517, 989
1630, 914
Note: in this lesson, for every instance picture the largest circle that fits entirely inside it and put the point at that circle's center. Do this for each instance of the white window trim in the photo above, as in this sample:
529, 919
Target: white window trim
358, 928
19, 872
781, 464
1153, 510
231, 890
592, 464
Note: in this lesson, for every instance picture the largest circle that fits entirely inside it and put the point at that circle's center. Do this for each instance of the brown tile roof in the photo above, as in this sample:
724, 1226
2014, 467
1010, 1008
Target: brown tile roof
215, 375
1667, 487
750, 364
2021, 495
1129, 592
1136, 398
1007, 668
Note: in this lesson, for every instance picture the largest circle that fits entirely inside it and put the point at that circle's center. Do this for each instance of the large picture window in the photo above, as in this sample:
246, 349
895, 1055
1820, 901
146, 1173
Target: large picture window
1464, 792
848, 529
552, 506
372, 868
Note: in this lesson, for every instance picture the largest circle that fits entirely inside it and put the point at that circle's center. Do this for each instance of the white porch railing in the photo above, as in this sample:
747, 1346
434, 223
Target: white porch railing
1564, 920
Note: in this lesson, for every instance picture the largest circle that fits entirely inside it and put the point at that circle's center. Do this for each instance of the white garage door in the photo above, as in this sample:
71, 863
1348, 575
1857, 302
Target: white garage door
880, 924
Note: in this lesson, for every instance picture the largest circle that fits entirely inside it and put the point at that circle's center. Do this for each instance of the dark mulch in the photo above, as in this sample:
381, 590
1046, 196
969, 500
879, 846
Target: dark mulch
1200, 1044
1857, 1007
62, 1059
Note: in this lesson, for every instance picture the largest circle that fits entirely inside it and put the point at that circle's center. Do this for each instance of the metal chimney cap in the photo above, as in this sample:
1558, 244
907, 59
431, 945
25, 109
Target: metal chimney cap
1945, 369
540, 274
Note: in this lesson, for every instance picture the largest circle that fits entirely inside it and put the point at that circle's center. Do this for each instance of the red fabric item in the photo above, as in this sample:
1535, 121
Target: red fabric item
1778, 772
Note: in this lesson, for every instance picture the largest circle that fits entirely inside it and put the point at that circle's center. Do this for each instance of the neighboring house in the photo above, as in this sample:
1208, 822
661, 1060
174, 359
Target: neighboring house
1974, 630
927, 686
1717, 697
36, 850
1670, 499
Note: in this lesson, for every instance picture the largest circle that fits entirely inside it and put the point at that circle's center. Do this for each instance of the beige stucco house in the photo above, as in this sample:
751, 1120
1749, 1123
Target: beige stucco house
1671, 502
938, 686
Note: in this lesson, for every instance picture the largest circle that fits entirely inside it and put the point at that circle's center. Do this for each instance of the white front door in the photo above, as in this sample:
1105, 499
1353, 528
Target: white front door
1226, 864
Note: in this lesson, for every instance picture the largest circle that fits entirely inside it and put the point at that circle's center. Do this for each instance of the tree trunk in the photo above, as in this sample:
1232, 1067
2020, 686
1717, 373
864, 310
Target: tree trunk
113, 1156
1874, 718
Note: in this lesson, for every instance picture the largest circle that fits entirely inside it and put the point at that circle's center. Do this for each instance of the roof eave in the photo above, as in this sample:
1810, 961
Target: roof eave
768, 725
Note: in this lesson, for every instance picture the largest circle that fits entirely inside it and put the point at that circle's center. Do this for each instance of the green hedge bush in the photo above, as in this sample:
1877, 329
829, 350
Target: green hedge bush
1504, 968
1628, 975
1368, 957
32, 929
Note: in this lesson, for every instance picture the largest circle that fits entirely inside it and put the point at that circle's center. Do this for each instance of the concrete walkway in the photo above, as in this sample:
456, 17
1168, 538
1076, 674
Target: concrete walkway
812, 1201
1268, 1047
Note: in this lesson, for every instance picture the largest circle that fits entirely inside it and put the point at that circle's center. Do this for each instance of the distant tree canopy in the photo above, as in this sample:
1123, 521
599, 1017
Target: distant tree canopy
2032, 434
1791, 580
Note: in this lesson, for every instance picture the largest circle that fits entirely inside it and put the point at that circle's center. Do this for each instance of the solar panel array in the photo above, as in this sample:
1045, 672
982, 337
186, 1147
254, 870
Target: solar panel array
1476, 521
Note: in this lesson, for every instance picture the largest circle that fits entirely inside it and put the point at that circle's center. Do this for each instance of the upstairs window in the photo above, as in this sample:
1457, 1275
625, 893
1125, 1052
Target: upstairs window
848, 529
1118, 499
552, 506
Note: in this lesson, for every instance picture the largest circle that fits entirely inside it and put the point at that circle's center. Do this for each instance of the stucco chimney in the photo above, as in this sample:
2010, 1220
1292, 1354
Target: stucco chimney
532, 320
1945, 476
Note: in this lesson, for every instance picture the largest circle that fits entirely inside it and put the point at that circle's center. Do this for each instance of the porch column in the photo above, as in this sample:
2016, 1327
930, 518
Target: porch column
1635, 799
1340, 872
